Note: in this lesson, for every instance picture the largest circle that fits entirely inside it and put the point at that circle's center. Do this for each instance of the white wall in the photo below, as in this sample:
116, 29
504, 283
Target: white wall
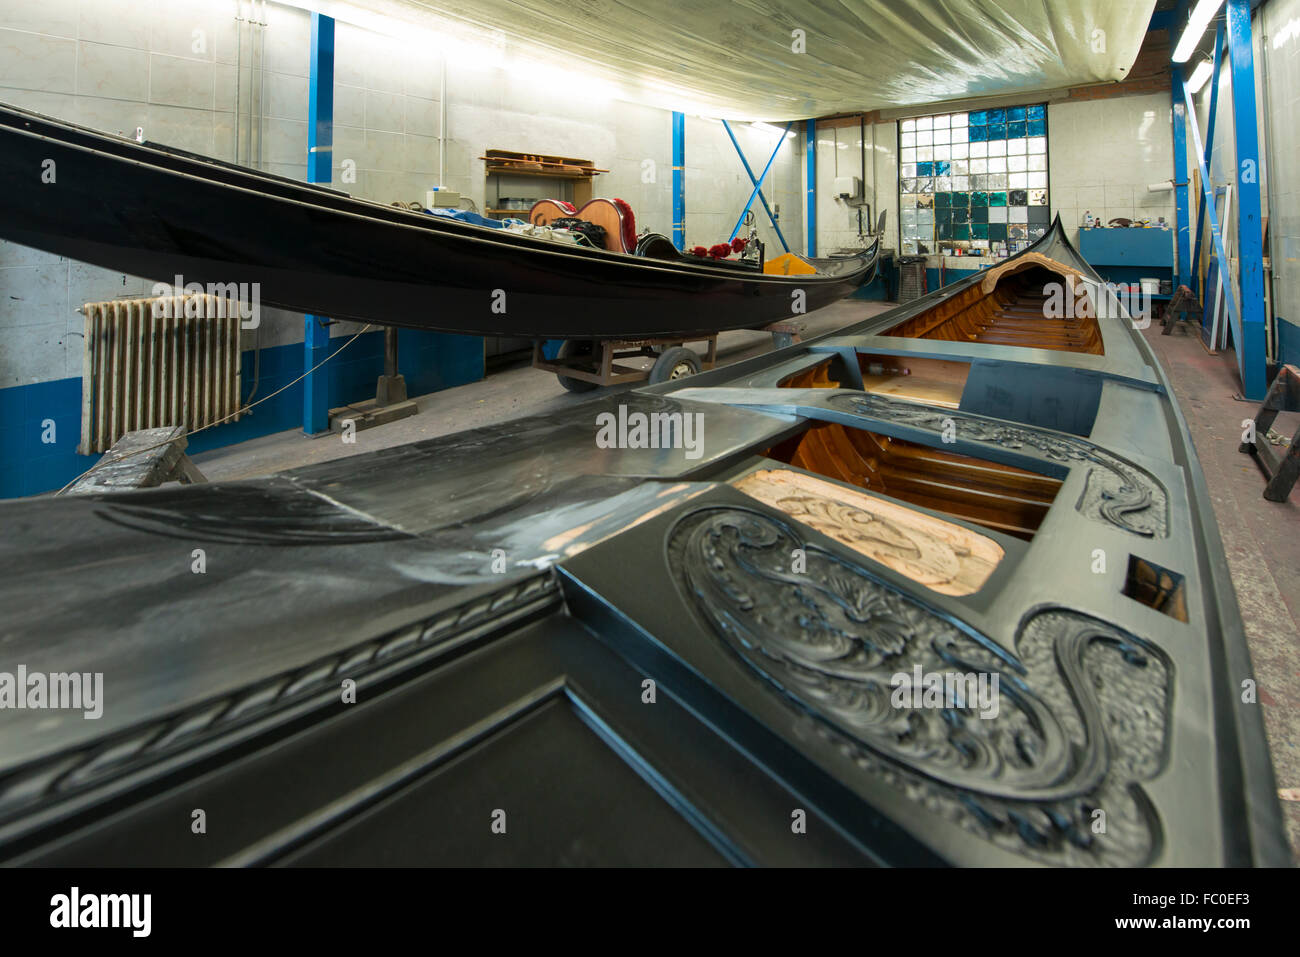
113, 65
118, 64
1281, 55
839, 153
1276, 35
1102, 154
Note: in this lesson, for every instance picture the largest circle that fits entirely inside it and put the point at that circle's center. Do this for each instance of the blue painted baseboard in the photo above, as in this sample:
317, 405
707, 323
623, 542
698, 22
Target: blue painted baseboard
30, 465
873, 291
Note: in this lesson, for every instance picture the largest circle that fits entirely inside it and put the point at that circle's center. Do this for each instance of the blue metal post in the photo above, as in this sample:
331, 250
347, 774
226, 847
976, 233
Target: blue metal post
315, 388
320, 161
758, 183
763, 199
1208, 163
811, 164
1251, 347
320, 101
679, 180
1182, 228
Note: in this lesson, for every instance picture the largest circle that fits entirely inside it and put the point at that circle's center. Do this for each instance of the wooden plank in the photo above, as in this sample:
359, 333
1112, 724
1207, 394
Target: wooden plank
140, 459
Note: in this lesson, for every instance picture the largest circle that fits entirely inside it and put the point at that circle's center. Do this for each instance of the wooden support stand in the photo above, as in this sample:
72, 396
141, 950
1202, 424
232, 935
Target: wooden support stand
1280, 470
600, 365
1184, 306
593, 364
390, 402
141, 459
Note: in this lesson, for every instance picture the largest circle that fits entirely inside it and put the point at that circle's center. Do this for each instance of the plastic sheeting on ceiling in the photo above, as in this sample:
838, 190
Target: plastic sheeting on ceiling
737, 58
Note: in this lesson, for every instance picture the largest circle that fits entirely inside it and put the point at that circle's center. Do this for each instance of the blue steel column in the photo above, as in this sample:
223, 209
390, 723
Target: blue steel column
1251, 351
320, 159
1182, 227
679, 180
811, 164
320, 101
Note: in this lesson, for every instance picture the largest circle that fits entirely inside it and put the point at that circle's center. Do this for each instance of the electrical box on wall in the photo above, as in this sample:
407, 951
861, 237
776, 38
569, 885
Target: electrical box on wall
441, 197
848, 188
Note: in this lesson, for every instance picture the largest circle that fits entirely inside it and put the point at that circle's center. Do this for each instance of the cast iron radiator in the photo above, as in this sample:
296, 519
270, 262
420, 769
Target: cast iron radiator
164, 361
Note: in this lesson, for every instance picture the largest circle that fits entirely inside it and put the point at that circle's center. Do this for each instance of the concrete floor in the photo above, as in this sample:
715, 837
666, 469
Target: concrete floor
506, 393
1259, 537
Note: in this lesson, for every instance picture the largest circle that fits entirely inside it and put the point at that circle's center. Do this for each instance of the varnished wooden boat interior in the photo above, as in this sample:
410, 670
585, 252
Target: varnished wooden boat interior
1000, 497
932, 381
1010, 307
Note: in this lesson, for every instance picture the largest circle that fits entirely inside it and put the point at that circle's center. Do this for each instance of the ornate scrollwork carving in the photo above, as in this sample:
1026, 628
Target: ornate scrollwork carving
1080, 712
1116, 491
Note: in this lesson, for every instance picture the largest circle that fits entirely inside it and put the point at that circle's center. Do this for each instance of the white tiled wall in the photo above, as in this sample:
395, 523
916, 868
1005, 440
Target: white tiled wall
119, 64
1281, 50
839, 153
1276, 34
1102, 155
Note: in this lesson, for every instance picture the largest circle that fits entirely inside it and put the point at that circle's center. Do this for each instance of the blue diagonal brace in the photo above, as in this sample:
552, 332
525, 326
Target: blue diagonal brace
727, 126
1207, 195
758, 186
1208, 164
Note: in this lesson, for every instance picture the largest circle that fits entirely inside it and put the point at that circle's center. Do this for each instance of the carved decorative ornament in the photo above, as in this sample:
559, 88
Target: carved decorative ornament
1081, 707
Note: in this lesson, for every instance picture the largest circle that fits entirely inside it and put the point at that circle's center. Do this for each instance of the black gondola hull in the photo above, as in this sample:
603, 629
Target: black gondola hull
160, 214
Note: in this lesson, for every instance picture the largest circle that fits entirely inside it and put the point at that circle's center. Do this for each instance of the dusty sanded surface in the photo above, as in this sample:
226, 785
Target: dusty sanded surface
943, 556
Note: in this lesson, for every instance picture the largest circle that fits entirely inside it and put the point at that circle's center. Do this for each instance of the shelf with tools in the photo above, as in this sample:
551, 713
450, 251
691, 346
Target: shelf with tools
516, 180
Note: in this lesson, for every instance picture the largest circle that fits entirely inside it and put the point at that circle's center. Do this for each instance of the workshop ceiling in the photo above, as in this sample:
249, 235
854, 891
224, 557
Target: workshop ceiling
738, 59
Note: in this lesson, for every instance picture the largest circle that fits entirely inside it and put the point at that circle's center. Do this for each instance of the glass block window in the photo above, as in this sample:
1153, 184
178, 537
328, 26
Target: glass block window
973, 183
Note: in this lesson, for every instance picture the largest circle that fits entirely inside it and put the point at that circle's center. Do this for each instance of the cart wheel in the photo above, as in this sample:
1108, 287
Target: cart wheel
576, 349
675, 363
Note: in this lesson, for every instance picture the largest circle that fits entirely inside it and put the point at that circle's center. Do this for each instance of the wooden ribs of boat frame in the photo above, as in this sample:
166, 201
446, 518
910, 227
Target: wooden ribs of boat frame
1000, 497
1009, 307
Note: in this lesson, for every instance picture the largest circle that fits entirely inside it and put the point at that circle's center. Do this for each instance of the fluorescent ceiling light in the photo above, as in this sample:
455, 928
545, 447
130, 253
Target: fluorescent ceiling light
1200, 19
1199, 76
774, 130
